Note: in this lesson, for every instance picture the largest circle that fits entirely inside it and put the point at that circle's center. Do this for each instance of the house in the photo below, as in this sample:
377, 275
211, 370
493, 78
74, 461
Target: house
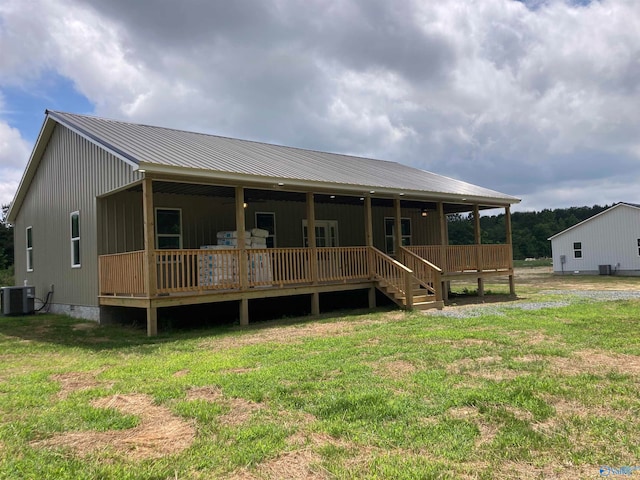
607, 243
111, 214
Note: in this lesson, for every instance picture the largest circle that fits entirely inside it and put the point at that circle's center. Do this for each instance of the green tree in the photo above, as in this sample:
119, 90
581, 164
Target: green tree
6, 240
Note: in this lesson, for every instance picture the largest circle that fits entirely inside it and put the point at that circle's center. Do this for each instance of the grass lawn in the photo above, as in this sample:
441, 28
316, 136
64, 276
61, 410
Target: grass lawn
513, 393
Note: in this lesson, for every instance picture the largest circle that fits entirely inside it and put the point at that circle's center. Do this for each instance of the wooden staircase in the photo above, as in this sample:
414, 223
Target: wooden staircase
414, 284
422, 298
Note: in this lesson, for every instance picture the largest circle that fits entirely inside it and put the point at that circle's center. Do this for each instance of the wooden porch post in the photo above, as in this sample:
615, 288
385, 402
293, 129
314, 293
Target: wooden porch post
313, 251
243, 270
397, 238
478, 240
151, 278
507, 223
368, 222
443, 249
368, 239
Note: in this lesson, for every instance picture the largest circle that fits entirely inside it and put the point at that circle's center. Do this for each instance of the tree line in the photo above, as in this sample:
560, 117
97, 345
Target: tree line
530, 230
6, 240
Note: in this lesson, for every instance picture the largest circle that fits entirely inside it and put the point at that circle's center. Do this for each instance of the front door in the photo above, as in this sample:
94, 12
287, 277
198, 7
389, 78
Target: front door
326, 233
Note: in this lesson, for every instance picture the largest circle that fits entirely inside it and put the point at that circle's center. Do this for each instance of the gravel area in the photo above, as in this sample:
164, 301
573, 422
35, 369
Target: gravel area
502, 309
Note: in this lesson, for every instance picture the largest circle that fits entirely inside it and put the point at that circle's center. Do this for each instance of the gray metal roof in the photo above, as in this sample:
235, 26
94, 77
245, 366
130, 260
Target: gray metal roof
150, 146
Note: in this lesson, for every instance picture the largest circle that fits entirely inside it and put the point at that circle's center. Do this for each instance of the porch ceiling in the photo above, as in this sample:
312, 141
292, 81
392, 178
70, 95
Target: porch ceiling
255, 195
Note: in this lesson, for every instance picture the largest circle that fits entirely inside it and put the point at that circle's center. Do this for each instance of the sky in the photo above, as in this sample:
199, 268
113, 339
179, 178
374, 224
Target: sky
539, 99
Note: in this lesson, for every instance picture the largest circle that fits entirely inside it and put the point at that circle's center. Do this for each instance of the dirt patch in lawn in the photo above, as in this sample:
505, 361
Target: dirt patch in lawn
289, 333
526, 471
75, 381
487, 430
393, 368
159, 433
543, 276
294, 465
240, 410
487, 368
596, 362
300, 463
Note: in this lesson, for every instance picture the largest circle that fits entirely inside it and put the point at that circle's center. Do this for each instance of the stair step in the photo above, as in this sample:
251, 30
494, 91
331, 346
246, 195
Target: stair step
428, 305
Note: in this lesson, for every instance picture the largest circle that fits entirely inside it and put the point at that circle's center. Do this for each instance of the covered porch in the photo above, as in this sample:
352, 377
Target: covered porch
397, 244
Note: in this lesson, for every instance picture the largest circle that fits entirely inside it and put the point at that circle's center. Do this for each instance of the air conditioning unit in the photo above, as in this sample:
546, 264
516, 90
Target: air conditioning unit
18, 300
604, 269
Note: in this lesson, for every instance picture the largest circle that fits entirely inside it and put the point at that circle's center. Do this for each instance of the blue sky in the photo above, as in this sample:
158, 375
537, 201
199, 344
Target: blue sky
537, 99
24, 107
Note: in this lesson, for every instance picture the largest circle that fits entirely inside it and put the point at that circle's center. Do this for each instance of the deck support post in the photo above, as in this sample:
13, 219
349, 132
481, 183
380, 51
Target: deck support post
244, 312
151, 277
372, 297
478, 241
507, 223
152, 320
315, 303
311, 237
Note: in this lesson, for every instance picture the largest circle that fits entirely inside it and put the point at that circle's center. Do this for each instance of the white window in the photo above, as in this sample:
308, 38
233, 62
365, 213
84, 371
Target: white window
75, 240
267, 221
29, 242
168, 228
326, 233
577, 249
389, 233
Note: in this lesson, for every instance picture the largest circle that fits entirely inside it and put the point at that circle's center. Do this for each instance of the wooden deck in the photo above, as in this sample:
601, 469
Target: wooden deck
188, 276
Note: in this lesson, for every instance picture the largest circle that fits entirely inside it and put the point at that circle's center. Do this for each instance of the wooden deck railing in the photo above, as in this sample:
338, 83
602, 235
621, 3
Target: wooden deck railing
465, 258
122, 273
427, 274
198, 270
342, 264
393, 273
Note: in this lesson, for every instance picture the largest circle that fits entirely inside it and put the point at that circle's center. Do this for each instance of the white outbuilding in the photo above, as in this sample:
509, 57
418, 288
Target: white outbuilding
607, 244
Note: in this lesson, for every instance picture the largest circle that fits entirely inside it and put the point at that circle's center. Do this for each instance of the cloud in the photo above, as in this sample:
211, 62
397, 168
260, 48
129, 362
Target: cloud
534, 98
14, 153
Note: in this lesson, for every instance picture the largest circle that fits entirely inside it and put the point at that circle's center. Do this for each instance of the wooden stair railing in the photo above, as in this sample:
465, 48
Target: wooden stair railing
429, 276
399, 283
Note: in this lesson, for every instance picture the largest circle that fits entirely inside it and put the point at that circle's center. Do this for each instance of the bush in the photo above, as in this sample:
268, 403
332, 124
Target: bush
6, 277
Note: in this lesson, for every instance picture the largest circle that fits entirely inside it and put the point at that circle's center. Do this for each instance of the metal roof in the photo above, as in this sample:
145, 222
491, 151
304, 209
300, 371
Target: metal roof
154, 148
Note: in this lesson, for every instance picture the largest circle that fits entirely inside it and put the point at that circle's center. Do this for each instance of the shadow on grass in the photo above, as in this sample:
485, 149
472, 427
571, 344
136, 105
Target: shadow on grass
472, 298
62, 330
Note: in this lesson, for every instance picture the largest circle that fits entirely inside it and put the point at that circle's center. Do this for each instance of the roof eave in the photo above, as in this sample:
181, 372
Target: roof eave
325, 187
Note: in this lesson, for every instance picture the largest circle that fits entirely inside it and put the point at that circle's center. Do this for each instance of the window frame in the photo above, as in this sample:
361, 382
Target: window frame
577, 250
390, 247
28, 240
75, 240
330, 225
168, 235
272, 236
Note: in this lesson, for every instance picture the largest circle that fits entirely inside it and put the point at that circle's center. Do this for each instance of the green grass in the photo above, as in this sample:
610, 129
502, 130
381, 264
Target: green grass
382, 395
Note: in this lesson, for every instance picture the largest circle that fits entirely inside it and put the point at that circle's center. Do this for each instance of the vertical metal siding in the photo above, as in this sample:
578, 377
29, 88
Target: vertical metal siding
71, 173
608, 239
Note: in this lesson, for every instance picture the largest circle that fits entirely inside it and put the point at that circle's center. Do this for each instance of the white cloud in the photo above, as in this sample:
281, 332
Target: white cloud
535, 99
14, 153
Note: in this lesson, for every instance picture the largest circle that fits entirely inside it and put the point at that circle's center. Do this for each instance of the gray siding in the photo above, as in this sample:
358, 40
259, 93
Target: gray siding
610, 238
203, 217
71, 173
